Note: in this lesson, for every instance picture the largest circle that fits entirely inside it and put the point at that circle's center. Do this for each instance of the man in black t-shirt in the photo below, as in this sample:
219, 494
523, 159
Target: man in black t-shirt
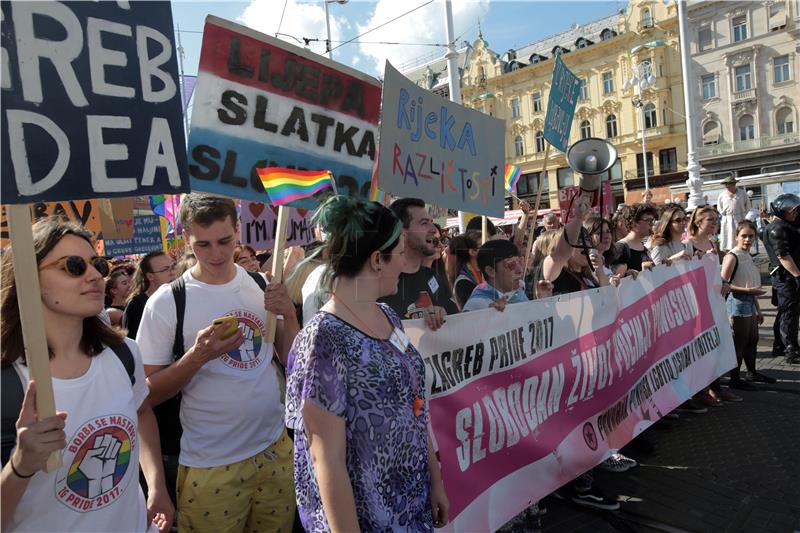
420, 293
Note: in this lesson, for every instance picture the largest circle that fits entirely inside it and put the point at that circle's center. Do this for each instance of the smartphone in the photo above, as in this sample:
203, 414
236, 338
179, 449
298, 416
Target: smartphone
228, 324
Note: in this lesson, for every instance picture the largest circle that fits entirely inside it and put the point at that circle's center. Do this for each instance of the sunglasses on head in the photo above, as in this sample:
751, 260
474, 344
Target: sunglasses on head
76, 265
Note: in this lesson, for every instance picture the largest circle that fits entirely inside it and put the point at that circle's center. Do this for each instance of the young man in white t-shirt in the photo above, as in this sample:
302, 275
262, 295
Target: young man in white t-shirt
236, 460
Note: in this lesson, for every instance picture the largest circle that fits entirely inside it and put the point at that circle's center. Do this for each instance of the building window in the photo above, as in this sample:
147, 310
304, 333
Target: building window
710, 133
519, 146
537, 102
668, 160
647, 18
650, 116
783, 121
586, 129
739, 28
565, 177
705, 38
539, 137
584, 90
608, 82
777, 16
742, 78
640, 165
780, 69
611, 126
529, 184
709, 83
515, 108
607, 34
747, 129
615, 174
581, 43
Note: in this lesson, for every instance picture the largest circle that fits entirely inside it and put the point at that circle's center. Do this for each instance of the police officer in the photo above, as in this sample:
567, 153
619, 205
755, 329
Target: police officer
783, 248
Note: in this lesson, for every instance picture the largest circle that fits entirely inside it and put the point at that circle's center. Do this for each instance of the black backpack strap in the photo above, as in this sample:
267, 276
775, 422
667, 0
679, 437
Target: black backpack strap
13, 396
123, 353
735, 267
179, 293
258, 278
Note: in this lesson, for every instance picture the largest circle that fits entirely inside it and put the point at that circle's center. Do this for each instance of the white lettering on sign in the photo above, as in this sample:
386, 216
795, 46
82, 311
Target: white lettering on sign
100, 57
17, 118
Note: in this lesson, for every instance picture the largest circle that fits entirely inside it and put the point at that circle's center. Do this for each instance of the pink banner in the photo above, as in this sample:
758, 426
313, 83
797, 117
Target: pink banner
259, 222
568, 207
547, 389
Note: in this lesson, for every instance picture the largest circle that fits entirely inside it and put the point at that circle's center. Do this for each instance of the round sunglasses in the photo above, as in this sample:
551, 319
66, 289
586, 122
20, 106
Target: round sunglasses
76, 265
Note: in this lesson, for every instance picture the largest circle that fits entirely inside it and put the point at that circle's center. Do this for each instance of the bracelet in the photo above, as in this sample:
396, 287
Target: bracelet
16, 472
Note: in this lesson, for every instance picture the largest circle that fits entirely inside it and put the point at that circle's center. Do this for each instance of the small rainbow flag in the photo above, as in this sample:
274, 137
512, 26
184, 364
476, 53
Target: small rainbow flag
511, 176
285, 185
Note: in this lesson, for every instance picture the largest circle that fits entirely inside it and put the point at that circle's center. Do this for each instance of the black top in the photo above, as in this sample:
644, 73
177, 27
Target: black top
408, 302
133, 314
634, 258
464, 287
568, 282
782, 239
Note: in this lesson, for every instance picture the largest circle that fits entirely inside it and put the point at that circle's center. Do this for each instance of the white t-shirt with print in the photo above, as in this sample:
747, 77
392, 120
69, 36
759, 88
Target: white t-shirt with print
231, 408
97, 488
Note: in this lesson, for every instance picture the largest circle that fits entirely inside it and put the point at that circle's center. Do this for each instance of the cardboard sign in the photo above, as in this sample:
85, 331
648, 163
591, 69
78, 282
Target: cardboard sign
548, 389
259, 224
83, 212
116, 218
439, 151
146, 238
90, 103
569, 207
564, 90
260, 102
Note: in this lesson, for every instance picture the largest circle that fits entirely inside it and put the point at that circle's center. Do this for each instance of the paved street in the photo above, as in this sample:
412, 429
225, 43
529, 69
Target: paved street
734, 468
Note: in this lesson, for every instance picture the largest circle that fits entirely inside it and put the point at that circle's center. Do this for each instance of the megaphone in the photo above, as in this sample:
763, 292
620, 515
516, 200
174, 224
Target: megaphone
590, 158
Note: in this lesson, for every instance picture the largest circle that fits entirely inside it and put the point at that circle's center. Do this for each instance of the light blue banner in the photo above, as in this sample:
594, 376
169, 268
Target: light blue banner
564, 90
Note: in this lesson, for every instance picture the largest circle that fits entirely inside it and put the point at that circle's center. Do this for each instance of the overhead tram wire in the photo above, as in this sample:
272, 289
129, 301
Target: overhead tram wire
382, 25
280, 23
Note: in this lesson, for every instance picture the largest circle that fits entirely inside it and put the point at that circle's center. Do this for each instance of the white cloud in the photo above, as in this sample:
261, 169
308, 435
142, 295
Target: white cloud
300, 20
424, 25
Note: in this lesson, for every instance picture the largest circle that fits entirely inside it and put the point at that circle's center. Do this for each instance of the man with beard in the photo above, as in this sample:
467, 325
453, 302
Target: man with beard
420, 293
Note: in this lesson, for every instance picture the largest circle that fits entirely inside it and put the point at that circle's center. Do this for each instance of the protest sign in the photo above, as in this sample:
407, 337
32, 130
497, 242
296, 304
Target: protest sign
440, 151
259, 223
83, 212
116, 217
90, 104
146, 238
261, 102
564, 89
545, 390
569, 203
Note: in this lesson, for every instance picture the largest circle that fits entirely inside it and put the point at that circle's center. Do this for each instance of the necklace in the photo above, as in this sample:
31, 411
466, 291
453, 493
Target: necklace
418, 402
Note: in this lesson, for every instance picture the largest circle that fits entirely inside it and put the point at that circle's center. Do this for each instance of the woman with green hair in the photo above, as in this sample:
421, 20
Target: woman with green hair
356, 390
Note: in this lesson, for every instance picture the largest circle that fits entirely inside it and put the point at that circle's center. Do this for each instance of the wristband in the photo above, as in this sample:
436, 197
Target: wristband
16, 472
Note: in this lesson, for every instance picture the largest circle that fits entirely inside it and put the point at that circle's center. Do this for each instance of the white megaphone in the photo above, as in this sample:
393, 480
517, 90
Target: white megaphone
590, 158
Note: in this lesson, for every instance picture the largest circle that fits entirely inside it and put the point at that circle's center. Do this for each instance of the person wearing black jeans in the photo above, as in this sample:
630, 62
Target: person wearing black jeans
783, 248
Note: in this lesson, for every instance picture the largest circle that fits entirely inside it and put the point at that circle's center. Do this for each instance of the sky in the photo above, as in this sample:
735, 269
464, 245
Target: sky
504, 24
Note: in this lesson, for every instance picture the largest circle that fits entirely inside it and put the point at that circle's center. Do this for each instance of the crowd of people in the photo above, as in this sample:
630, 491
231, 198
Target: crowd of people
324, 426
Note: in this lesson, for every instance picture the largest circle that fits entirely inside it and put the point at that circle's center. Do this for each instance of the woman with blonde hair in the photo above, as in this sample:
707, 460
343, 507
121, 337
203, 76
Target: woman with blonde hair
702, 227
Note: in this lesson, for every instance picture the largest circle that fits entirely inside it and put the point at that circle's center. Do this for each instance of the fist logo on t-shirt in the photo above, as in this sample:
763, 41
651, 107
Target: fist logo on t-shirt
250, 354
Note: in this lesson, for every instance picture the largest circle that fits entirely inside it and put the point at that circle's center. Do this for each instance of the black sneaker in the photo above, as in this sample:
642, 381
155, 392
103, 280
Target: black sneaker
595, 499
793, 359
741, 385
691, 406
758, 377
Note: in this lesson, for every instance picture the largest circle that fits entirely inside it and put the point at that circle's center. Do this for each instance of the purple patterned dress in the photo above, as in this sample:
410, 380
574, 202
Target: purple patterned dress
371, 385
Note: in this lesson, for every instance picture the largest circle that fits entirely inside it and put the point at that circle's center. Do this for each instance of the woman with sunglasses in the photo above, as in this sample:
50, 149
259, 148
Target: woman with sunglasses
154, 270
667, 243
104, 426
436, 261
245, 257
355, 396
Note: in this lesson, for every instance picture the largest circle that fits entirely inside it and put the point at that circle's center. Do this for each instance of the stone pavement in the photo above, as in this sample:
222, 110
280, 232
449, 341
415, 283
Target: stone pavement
735, 468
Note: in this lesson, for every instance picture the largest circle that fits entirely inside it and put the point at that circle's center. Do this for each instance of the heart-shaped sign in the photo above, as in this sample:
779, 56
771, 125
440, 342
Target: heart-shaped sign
275, 209
256, 208
302, 212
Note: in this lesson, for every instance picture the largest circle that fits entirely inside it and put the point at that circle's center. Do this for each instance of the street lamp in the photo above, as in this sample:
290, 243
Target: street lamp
328, 47
642, 79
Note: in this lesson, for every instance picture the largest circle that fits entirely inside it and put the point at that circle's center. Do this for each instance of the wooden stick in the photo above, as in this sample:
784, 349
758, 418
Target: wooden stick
484, 229
532, 231
29, 299
277, 263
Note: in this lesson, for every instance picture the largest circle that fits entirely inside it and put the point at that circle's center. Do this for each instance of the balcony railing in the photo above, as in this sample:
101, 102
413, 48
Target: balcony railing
747, 94
747, 146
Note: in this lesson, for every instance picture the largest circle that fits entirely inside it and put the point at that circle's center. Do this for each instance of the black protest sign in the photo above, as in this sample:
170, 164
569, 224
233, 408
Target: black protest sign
91, 105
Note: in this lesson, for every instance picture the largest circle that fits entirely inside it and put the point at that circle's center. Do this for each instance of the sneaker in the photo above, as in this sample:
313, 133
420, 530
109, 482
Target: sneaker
595, 499
741, 385
673, 415
727, 396
793, 359
758, 377
692, 406
708, 399
618, 463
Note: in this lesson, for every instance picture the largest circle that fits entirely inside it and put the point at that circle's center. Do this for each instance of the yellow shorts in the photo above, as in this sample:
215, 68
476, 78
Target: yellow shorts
256, 494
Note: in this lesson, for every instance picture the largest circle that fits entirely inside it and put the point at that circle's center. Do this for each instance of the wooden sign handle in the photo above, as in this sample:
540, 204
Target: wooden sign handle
484, 230
26, 273
536, 208
277, 263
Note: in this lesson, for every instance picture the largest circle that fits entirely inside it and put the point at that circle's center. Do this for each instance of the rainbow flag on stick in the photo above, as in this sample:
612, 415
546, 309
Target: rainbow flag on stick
284, 185
512, 175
